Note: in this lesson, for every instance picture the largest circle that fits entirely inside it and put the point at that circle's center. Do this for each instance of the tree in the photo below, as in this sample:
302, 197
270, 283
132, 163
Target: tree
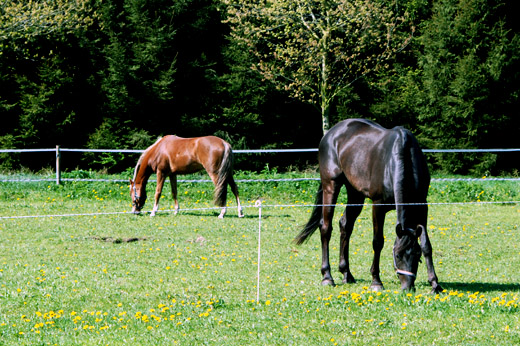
466, 89
37, 78
22, 21
316, 49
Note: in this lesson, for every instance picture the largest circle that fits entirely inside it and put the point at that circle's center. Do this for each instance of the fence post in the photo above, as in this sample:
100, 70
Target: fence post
258, 204
58, 172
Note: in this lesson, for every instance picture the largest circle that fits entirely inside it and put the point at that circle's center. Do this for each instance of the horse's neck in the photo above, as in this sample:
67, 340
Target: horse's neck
142, 175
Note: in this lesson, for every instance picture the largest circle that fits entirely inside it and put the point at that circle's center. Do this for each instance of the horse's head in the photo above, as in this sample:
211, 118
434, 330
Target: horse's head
407, 255
138, 195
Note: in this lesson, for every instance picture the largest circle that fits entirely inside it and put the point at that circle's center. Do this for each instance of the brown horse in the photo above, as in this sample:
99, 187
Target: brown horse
387, 166
172, 155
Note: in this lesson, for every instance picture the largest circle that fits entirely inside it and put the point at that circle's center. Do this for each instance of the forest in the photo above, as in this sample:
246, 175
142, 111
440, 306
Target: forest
260, 74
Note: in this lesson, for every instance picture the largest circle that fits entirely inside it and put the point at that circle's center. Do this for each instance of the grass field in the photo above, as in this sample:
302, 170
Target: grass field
113, 278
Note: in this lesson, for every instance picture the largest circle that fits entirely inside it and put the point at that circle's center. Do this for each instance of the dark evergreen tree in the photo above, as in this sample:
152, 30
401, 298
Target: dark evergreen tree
457, 86
467, 87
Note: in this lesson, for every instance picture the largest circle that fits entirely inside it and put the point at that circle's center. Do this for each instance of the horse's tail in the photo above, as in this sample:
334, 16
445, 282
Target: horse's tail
314, 221
225, 174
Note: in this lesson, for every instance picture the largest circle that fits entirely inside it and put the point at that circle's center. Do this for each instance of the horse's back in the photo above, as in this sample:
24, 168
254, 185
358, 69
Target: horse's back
368, 156
351, 134
189, 155
349, 149
212, 143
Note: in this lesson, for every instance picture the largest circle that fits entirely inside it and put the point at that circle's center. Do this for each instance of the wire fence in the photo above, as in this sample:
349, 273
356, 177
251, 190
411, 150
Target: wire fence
58, 179
22, 180
250, 151
258, 204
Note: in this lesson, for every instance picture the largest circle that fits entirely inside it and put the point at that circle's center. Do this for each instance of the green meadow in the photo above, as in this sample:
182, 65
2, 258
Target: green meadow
88, 272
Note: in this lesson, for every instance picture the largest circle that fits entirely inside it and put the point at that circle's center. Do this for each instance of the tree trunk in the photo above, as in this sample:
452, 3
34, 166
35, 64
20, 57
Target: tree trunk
325, 115
324, 89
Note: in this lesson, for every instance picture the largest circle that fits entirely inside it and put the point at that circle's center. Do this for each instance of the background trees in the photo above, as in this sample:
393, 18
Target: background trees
101, 74
315, 50
460, 90
467, 81
39, 41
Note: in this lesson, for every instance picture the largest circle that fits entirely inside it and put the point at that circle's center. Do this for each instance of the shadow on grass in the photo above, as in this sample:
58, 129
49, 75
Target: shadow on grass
117, 240
480, 286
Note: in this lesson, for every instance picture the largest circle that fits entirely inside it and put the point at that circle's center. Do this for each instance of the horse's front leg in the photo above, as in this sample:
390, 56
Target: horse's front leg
426, 248
378, 241
160, 183
173, 183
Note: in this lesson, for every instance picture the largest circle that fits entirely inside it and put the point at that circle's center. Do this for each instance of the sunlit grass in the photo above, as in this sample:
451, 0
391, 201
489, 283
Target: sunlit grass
192, 279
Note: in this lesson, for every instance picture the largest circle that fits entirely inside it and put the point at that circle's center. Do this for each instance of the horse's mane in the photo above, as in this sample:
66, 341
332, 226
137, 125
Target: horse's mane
405, 242
138, 165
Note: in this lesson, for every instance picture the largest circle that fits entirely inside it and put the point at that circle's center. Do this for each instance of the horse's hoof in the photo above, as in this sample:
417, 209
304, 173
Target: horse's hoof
349, 280
377, 288
436, 289
327, 282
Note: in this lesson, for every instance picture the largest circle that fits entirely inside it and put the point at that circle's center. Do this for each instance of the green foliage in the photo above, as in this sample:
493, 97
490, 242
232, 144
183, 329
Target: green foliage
111, 134
457, 85
140, 57
8, 161
479, 190
24, 23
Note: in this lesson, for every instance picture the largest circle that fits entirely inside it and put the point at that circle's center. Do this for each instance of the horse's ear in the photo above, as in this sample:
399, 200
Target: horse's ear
131, 182
419, 230
399, 230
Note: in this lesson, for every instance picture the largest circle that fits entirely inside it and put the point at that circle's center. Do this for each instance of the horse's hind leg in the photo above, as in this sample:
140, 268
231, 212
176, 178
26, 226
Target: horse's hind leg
346, 226
234, 188
160, 183
173, 183
330, 196
214, 178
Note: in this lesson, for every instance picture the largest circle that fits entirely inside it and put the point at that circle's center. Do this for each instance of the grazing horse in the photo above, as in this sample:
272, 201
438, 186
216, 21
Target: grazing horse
172, 155
387, 166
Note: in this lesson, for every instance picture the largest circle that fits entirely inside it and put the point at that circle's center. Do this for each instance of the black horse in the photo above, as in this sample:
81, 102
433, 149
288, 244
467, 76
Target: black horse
387, 166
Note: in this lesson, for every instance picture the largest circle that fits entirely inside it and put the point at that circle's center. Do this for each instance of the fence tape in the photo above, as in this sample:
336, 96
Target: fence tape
238, 180
256, 205
253, 151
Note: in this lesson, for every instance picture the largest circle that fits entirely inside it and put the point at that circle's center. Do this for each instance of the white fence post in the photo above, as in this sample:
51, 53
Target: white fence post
58, 172
258, 204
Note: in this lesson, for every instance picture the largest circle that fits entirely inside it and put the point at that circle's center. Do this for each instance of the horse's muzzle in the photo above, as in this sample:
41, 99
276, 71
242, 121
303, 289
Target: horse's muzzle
407, 282
136, 210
